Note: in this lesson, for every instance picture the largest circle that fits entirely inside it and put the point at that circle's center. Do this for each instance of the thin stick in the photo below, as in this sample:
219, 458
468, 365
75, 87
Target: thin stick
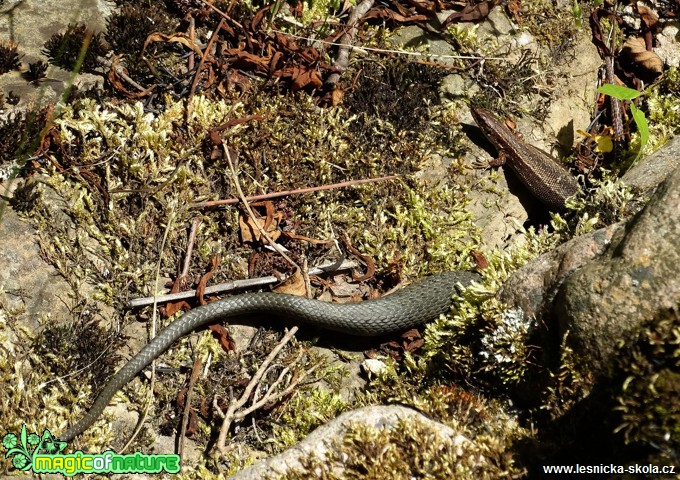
240, 284
235, 405
197, 74
267, 196
190, 247
195, 373
390, 52
342, 60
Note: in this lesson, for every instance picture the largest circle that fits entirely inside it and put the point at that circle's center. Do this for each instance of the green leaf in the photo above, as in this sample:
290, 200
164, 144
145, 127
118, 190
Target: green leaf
617, 91
643, 128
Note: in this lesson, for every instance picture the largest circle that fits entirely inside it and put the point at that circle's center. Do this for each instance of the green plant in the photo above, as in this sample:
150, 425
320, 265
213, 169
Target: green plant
624, 93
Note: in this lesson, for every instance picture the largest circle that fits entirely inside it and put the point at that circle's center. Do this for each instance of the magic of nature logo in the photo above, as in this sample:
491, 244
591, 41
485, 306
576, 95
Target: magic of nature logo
44, 454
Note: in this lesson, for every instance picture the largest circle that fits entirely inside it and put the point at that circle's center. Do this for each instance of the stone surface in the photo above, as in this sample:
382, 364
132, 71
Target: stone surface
319, 442
30, 23
610, 298
652, 170
30, 284
535, 285
601, 288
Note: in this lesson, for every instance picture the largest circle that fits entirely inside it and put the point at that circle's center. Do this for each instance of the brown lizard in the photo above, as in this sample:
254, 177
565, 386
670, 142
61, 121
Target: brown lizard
547, 179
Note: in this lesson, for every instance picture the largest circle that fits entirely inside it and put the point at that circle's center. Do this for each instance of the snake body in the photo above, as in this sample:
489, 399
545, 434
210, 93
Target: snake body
413, 305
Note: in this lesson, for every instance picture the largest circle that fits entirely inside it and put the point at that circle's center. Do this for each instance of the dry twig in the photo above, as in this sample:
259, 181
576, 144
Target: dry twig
246, 205
234, 411
285, 193
346, 40
195, 373
240, 284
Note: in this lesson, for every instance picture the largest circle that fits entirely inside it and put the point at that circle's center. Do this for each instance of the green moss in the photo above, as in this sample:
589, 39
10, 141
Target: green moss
77, 42
649, 397
551, 24
663, 110
409, 450
480, 334
319, 10
307, 410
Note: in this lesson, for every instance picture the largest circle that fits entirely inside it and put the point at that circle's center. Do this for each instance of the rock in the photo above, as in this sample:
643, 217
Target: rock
603, 287
649, 173
30, 284
320, 441
373, 366
30, 23
536, 284
636, 279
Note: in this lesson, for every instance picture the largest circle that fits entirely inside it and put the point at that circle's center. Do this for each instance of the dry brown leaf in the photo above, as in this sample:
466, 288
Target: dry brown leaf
648, 16
480, 259
341, 288
301, 77
250, 232
634, 49
471, 13
337, 96
515, 9
114, 77
171, 308
181, 38
293, 285
385, 13
222, 335
200, 290
248, 60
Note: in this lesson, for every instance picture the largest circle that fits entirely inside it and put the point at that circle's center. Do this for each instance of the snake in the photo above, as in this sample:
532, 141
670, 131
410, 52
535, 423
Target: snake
413, 305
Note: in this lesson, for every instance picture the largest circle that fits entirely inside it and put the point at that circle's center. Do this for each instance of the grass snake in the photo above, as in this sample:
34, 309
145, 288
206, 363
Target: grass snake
413, 305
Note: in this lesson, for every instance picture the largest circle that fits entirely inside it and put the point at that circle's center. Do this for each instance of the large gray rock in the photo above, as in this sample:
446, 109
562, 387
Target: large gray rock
601, 288
647, 175
637, 278
320, 442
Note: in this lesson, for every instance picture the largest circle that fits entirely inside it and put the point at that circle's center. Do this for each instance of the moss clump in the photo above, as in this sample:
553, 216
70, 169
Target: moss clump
34, 392
126, 32
649, 397
395, 91
409, 450
9, 57
76, 44
664, 110
80, 345
128, 28
306, 411
36, 71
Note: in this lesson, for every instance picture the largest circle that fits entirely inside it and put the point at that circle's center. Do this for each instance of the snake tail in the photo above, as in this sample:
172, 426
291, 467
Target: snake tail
413, 305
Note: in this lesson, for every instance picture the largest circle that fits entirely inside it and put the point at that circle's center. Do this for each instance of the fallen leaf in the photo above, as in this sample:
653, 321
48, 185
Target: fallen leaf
293, 285
385, 13
222, 335
471, 13
200, 289
250, 233
636, 51
181, 38
480, 259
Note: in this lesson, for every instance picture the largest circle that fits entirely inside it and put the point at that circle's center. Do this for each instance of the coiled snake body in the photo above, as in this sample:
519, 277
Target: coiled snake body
416, 304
